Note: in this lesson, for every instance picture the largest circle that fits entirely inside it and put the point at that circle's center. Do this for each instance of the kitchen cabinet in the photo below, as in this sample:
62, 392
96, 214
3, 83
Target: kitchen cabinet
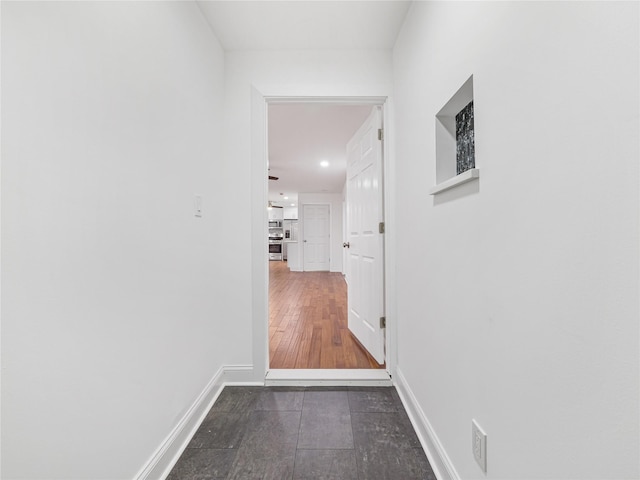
291, 213
276, 213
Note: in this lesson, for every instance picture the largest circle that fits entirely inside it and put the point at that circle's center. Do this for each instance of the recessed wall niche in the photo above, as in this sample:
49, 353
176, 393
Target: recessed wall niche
455, 140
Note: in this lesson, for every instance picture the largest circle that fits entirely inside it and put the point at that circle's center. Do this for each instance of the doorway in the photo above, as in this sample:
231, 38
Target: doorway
309, 318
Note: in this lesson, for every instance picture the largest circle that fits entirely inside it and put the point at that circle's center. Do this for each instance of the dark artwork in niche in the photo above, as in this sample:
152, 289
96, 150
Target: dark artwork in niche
465, 143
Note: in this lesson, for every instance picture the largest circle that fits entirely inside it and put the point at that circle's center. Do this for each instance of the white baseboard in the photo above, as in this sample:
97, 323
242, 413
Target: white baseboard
241, 375
438, 458
168, 453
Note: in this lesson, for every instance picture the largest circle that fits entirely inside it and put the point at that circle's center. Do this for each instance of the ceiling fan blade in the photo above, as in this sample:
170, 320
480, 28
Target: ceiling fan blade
271, 177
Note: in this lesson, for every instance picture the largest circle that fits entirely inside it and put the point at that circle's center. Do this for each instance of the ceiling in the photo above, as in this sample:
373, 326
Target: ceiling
287, 25
302, 135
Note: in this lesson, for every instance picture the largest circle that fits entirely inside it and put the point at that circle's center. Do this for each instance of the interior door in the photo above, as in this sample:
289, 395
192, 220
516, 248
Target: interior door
316, 238
365, 247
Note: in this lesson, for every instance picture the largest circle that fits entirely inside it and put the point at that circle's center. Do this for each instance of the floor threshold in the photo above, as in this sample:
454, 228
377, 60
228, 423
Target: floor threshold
328, 377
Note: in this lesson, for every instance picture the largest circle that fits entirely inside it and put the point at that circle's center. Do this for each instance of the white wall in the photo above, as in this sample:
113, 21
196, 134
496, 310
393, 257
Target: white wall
518, 296
250, 76
334, 200
113, 294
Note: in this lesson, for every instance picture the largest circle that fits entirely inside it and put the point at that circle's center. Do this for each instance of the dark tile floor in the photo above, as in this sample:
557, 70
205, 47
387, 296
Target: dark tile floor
328, 433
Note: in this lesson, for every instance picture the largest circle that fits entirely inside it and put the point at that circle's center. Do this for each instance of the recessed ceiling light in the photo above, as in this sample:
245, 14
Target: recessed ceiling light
286, 198
293, 204
324, 163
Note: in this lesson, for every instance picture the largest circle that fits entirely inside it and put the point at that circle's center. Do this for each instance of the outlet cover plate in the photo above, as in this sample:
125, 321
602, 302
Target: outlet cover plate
479, 445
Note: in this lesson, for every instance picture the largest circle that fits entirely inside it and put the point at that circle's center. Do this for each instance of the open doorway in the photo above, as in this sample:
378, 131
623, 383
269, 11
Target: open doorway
311, 321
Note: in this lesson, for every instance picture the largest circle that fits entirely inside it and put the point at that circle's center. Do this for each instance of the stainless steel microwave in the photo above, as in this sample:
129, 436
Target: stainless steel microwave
275, 223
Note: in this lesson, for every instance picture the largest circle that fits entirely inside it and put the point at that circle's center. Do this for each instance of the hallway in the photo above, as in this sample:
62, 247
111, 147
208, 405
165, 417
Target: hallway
305, 433
135, 137
308, 321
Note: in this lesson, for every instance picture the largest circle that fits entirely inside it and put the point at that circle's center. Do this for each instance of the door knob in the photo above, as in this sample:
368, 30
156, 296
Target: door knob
346, 245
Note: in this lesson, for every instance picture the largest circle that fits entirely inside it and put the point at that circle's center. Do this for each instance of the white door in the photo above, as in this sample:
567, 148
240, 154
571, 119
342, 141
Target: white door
364, 241
316, 237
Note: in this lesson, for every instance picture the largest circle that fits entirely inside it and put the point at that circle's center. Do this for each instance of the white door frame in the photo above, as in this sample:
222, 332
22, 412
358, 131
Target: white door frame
260, 98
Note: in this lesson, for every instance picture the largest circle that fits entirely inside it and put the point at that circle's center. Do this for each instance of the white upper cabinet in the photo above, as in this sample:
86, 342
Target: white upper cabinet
291, 213
276, 213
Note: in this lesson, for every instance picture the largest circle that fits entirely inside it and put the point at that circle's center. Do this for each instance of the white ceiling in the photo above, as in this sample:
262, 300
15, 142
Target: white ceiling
301, 135
286, 25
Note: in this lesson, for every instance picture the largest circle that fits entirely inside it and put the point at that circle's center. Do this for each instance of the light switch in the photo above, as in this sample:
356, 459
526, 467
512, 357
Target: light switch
197, 203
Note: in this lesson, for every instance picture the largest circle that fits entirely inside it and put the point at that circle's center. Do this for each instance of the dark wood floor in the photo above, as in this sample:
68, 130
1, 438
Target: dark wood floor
308, 321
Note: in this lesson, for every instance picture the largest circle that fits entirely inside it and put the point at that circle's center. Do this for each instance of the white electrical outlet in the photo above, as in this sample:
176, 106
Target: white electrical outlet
479, 445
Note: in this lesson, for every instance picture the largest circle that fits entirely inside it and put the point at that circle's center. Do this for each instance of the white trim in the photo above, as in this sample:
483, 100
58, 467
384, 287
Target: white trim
464, 177
328, 377
259, 234
241, 375
436, 454
390, 249
166, 456
261, 96
169, 451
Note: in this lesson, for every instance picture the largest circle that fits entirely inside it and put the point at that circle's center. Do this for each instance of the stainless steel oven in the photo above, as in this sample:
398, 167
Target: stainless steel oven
275, 249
